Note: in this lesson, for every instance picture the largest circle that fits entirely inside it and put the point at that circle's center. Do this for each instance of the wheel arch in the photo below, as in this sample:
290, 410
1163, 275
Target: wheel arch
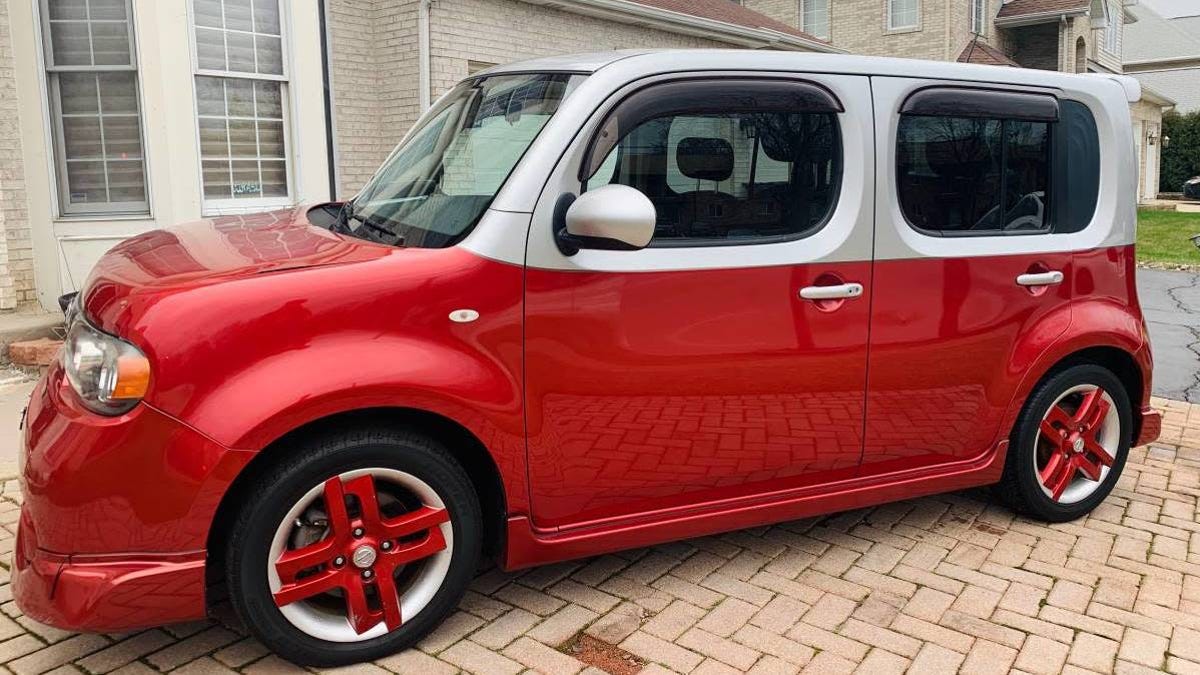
1123, 361
465, 446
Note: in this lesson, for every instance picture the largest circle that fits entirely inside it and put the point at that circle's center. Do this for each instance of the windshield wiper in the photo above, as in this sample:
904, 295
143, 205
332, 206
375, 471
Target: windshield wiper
374, 230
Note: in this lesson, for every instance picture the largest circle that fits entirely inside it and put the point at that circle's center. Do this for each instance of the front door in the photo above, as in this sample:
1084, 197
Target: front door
728, 359
1150, 174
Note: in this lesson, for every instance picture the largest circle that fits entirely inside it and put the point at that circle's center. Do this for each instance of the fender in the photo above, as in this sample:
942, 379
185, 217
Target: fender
248, 360
1095, 323
458, 384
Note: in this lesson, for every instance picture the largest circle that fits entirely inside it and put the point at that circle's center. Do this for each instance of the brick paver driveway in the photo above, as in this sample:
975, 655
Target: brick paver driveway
936, 585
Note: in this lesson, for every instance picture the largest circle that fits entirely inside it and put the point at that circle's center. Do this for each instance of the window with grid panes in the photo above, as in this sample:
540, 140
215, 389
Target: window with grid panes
91, 69
903, 14
814, 18
241, 86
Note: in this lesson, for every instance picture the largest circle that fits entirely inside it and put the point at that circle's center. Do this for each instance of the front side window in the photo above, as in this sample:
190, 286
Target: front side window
93, 86
903, 14
738, 167
976, 162
241, 95
814, 17
434, 188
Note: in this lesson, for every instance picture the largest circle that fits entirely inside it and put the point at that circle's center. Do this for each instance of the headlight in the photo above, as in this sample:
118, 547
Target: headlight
109, 374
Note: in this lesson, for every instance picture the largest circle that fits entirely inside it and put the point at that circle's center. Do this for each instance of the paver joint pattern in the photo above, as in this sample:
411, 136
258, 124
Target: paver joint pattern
953, 583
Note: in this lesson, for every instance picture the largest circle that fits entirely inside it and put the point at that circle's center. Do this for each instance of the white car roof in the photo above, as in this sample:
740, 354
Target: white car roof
667, 60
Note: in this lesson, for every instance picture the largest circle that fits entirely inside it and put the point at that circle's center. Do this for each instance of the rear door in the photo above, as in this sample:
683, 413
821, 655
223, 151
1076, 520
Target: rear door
973, 272
728, 359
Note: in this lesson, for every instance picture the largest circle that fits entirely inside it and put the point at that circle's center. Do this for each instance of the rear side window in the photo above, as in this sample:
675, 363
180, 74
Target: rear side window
975, 162
725, 161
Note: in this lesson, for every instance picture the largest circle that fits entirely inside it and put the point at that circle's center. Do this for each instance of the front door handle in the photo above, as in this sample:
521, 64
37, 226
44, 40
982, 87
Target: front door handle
839, 292
1040, 279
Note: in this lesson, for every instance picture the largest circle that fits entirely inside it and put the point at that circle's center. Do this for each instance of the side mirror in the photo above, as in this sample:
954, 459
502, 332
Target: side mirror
612, 217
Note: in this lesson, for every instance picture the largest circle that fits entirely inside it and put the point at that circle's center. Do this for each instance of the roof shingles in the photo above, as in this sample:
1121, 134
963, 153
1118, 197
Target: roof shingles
1019, 8
981, 52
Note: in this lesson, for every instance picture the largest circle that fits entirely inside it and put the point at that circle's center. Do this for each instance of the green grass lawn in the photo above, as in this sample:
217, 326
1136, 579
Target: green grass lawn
1163, 237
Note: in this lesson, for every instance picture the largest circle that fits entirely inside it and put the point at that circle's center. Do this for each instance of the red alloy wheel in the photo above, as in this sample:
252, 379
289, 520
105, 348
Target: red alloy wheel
359, 554
1077, 443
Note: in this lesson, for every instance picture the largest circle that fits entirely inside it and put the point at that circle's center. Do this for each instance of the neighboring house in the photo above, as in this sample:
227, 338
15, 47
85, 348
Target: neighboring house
1075, 36
122, 116
1164, 54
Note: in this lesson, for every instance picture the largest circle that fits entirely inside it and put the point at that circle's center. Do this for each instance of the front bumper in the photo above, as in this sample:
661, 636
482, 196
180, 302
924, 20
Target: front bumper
105, 593
1150, 427
116, 514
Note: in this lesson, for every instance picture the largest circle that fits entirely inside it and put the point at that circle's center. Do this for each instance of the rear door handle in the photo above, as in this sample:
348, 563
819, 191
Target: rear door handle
1040, 279
838, 292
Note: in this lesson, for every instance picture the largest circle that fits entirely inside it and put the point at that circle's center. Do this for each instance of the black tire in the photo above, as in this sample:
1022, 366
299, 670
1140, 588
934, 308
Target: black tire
310, 464
1020, 486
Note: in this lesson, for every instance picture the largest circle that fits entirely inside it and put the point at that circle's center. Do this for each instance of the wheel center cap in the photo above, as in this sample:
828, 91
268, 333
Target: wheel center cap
1077, 446
363, 557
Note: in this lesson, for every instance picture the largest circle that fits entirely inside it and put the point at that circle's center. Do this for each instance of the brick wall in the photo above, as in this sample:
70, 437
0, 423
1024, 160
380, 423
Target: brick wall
16, 247
374, 81
501, 31
375, 60
787, 11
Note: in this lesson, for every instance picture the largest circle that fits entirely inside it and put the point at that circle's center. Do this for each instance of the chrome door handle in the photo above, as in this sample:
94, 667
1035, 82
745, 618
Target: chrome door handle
1040, 279
838, 292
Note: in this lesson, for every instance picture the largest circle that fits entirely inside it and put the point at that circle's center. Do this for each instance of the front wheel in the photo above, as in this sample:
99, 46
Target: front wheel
354, 548
1069, 445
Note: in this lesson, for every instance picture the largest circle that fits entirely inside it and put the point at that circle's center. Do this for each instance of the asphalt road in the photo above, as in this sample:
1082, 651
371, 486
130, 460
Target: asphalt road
1171, 302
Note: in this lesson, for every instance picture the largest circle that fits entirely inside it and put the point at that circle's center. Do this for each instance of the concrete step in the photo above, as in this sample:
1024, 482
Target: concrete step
17, 328
34, 353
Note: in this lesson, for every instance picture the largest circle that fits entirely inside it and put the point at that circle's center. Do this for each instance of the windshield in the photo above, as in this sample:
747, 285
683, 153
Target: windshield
433, 188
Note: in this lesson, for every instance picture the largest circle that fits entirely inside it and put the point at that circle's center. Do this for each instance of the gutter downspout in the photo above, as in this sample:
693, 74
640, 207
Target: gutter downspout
424, 74
327, 83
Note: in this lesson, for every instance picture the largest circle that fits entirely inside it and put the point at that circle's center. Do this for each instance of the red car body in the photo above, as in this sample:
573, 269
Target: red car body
680, 403
157, 480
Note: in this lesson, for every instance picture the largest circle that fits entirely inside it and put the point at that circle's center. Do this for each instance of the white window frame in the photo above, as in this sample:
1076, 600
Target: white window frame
889, 10
1111, 31
979, 11
52, 109
232, 206
804, 26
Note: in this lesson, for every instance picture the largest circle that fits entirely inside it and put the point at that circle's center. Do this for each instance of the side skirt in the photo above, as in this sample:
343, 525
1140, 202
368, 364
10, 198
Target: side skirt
528, 546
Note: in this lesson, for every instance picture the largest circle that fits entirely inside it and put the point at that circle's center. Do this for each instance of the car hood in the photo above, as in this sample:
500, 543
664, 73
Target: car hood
212, 251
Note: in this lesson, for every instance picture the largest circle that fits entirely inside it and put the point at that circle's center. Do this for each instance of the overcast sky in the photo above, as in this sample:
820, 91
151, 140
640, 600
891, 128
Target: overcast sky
1173, 8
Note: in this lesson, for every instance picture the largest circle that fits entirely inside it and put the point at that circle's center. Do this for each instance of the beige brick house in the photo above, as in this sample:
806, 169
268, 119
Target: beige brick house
420, 48
1078, 36
122, 116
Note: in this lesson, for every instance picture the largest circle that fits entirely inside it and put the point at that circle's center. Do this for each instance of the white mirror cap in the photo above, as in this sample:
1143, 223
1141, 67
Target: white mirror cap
616, 212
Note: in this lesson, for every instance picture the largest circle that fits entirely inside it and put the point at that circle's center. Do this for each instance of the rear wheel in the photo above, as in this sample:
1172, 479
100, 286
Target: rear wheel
1069, 445
354, 549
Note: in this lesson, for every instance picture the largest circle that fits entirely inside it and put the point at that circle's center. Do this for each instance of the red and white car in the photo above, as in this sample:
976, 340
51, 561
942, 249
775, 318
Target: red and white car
593, 303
